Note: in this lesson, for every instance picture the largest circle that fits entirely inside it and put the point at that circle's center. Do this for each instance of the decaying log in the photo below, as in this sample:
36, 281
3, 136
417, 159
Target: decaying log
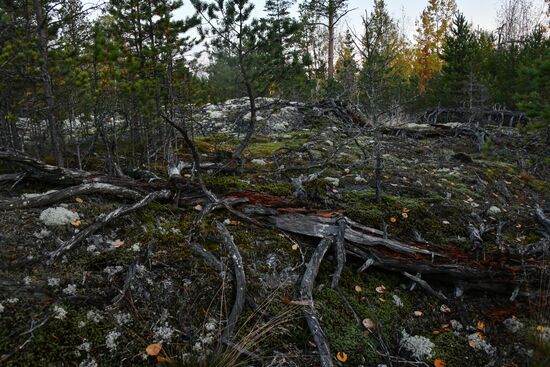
321, 227
240, 286
45, 172
306, 294
60, 195
104, 219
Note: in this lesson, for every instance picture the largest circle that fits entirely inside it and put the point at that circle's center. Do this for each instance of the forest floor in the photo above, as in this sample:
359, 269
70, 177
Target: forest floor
434, 185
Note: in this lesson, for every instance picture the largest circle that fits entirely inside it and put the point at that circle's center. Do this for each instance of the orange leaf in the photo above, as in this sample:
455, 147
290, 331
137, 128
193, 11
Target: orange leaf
76, 223
161, 359
153, 349
342, 356
481, 326
438, 362
393, 219
79, 200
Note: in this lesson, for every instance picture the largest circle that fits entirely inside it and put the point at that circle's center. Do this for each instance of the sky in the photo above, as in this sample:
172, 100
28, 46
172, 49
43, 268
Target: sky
481, 13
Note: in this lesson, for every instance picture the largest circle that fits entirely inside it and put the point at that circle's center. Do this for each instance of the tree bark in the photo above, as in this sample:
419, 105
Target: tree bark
55, 134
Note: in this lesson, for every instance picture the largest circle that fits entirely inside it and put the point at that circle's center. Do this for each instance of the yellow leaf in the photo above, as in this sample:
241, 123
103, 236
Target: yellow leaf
393, 219
79, 200
406, 210
76, 223
540, 328
438, 362
153, 349
358, 289
342, 356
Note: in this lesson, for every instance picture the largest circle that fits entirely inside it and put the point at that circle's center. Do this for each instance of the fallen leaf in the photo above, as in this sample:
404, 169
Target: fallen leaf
540, 328
295, 247
198, 208
438, 362
369, 324
117, 243
472, 344
358, 289
406, 210
79, 200
404, 215
480, 326
418, 313
153, 349
445, 309
161, 359
446, 222
393, 219
76, 223
380, 289
436, 332
445, 326
342, 356
234, 222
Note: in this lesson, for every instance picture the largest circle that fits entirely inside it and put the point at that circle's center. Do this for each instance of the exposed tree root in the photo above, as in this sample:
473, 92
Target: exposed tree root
306, 294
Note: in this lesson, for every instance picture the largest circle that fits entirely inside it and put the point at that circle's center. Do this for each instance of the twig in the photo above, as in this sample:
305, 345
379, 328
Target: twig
426, 286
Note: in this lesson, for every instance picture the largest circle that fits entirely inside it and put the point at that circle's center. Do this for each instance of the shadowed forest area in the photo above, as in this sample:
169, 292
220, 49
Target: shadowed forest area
267, 183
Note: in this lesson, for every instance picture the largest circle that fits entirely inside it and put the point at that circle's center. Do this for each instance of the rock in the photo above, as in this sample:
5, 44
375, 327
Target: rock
494, 210
58, 216
513, 325
259, 162
332, 180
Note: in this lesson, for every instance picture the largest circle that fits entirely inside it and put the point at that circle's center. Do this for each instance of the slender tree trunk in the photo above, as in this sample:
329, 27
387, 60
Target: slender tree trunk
55, 134
331, 44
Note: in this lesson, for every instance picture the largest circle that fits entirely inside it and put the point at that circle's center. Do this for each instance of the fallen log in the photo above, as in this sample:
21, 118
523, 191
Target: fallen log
60, 195
314, 226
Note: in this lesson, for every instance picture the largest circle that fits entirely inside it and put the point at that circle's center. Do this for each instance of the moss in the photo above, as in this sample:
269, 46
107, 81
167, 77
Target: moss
456, 352
339, 324
225, 183
276, 188
540, 186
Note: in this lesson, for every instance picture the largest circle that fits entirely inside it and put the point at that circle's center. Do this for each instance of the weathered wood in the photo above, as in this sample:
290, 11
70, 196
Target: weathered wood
340, 253
60, 195
541, 218
426, 286
306, 294
240, 284
319, 227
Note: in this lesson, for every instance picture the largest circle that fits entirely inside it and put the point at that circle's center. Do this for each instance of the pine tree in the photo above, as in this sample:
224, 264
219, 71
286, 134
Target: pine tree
332, 11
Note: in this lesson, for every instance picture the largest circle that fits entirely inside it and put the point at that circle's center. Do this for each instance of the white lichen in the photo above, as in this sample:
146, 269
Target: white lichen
12, 301
135, 247
1, 308
513, 325
88, 363
397, 301
94, 316
420, 347
123, 318
59, 312
113, 270
111, 340
27, 280
478, 342
163, 333
58, 216
70, 290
